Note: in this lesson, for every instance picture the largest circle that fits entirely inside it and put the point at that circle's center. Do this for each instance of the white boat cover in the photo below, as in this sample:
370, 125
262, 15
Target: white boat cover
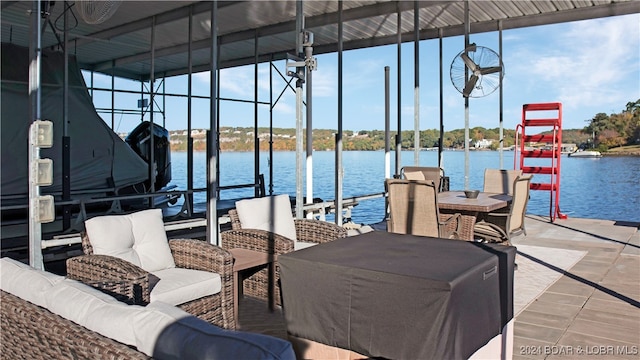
100, 160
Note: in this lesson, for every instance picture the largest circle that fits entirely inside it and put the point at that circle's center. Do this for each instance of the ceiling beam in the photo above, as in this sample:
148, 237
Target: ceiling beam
269, 30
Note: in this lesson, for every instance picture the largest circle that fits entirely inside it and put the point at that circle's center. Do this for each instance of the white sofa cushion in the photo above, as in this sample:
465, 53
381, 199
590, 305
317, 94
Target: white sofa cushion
138, 238
93, 309
26, 282
178, 286
148, 325
271, 213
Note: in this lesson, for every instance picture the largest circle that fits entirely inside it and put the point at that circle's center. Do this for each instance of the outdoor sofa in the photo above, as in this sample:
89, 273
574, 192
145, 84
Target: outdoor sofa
47, 316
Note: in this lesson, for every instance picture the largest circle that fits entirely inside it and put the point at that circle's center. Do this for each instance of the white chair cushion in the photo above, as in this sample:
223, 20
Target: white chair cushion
178, 286
112, 235
151, 242
26, 282
257, 214
138, 238
93, 309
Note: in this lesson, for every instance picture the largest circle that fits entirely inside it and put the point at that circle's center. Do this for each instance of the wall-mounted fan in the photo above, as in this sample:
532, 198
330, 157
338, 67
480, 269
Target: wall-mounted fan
484, 67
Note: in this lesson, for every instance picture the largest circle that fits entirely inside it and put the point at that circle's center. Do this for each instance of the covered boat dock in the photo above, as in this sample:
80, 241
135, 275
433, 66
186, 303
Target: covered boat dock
147, 41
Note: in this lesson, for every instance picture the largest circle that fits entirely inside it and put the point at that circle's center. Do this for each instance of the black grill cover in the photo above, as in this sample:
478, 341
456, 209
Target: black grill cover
399, 296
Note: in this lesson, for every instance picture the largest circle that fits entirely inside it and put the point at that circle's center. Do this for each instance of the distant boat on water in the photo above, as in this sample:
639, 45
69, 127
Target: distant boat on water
586, 154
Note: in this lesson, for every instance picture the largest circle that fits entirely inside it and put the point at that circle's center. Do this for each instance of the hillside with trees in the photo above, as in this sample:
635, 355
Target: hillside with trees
602, 132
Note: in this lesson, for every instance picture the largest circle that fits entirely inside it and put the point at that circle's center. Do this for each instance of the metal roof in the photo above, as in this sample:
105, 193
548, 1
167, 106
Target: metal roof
122, 44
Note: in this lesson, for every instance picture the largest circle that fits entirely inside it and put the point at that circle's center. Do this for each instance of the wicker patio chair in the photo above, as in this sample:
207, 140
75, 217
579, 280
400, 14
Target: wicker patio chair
133, 284
413, 209
307, 232
499, 226
500, 181
434, 174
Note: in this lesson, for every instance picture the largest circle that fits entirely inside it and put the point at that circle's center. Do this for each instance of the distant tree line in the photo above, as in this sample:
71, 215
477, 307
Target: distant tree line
603, 132
609, 131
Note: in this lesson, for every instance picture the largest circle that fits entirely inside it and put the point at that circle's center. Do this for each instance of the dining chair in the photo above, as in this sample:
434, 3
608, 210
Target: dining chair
500, 226
500, 181
413, 209
434, 174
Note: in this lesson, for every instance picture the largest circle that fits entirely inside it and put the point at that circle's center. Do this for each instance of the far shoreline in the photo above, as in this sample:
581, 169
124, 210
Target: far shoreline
618, 153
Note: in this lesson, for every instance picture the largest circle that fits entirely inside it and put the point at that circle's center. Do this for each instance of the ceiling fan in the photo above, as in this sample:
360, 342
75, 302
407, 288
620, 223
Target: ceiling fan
483, 65
97, 11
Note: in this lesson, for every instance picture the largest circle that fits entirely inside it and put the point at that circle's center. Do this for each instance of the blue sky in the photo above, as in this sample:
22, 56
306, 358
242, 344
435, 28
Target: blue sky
590, 66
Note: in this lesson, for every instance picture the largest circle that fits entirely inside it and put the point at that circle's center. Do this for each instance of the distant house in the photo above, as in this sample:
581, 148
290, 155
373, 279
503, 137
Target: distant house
483, 144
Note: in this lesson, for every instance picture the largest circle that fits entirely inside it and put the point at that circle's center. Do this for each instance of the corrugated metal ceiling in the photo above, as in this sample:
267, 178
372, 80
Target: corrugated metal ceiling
122, 44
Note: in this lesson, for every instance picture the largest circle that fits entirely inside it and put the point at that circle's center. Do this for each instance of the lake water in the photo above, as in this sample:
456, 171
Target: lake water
603, 188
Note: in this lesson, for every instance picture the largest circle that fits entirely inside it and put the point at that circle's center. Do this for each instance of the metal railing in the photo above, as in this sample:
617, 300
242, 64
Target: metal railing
318, 210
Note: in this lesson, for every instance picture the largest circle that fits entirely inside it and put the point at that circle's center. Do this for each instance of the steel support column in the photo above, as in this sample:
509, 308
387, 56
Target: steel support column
189, 196
271, 125
339, 171
309, 138
416, 81
66, 140
35, 59
387, 124
212, 139
152, 146
501, 145
299, 82
399, 104
256, 160
441, 137
467, 27
113, 95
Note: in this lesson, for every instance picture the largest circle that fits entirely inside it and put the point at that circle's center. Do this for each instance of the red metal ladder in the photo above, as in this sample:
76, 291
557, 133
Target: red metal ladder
552, 120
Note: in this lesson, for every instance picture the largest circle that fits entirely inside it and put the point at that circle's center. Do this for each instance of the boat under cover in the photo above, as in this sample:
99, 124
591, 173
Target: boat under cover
100, 161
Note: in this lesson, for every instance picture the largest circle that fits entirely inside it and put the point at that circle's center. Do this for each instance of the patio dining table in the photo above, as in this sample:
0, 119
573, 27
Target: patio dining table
470, 209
